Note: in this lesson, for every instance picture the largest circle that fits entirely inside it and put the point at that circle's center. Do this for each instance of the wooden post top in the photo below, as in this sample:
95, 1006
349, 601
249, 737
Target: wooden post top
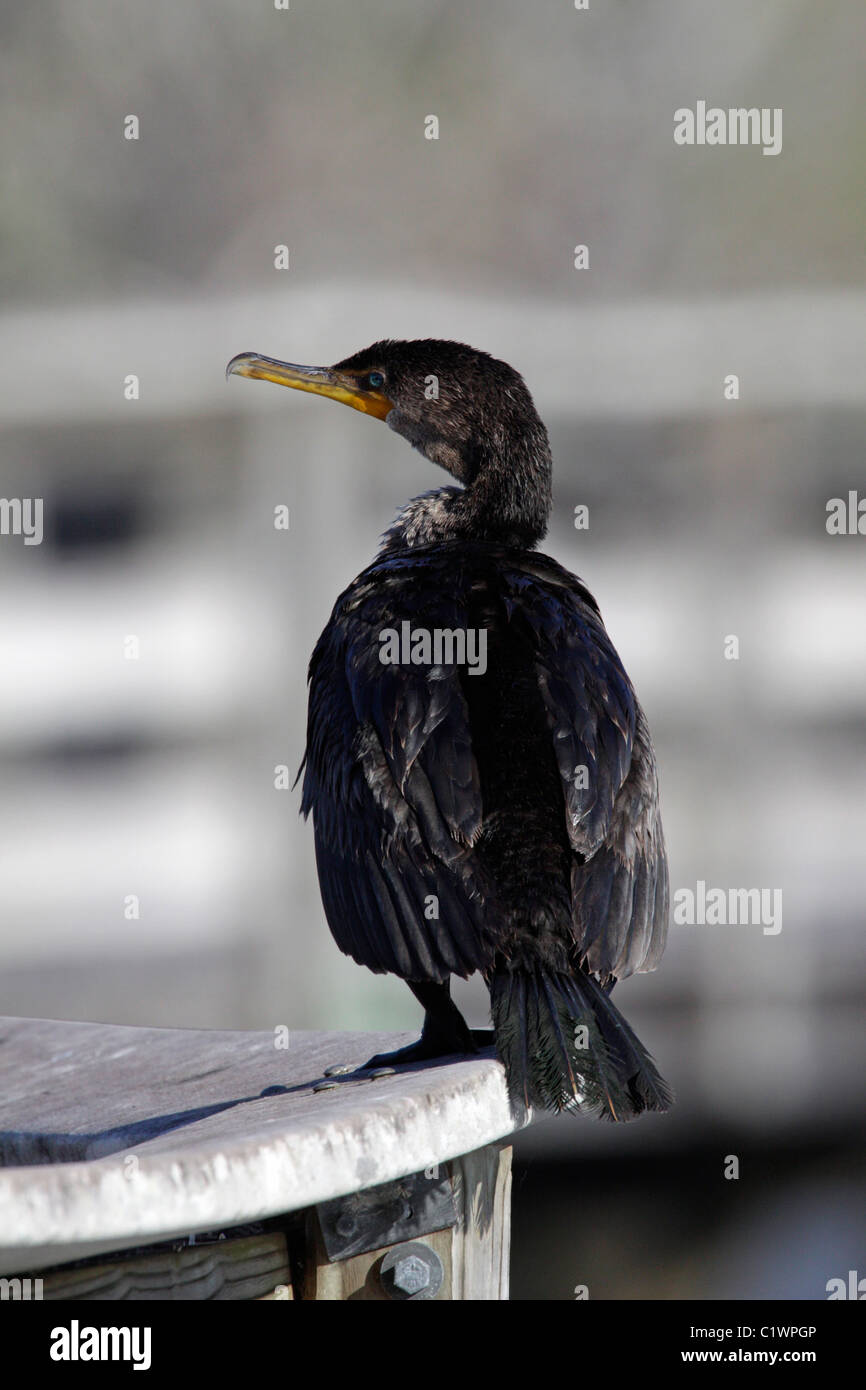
112, 1137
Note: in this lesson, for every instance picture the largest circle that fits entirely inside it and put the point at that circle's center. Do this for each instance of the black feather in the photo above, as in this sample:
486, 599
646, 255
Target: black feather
565, 1046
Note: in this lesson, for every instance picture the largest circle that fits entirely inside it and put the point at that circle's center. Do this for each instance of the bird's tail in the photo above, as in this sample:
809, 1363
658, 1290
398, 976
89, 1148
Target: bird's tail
565, 1046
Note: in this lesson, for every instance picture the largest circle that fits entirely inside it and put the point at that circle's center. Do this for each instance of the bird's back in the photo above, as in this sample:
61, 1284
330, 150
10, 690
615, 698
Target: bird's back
501, 807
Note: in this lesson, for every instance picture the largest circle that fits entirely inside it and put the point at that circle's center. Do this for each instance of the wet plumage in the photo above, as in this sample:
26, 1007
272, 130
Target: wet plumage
504, 821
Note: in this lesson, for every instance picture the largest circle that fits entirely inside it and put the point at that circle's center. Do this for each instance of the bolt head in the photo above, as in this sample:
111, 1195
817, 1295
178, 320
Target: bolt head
411, 1275
412, 1270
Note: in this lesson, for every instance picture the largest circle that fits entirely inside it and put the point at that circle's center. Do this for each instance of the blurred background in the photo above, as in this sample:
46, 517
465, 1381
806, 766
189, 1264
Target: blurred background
154, 645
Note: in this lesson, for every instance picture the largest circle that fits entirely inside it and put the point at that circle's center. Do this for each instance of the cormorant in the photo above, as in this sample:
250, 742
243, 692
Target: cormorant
489, 803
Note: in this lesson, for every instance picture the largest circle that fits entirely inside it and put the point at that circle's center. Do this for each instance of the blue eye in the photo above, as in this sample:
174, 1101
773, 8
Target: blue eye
375, 380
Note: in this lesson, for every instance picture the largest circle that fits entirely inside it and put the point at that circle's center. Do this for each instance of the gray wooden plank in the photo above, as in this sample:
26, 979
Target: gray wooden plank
481, 1240
113, 1136
225, 1270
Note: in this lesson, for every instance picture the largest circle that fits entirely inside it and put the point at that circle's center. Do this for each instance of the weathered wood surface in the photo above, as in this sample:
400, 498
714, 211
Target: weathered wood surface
481, 1243
113, 1137
223, 1270
474, 1253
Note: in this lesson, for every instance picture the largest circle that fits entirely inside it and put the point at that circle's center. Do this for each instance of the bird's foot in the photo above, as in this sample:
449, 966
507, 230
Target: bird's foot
445, 1033
433, 1048
420, 1051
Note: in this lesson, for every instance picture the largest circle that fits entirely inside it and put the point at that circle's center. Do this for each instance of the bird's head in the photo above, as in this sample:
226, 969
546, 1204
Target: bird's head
461, 408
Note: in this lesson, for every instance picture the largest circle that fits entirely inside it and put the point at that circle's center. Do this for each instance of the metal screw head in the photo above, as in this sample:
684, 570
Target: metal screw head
411, 1275
412, 1271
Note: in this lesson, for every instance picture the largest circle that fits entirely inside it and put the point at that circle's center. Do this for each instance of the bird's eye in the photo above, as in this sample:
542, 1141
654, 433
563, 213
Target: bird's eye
375, 380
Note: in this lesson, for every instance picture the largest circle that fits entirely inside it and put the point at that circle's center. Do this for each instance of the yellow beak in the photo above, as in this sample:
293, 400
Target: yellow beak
322, 381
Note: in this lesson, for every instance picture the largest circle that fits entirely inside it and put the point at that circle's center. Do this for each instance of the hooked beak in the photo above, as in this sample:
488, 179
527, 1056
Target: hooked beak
322, 381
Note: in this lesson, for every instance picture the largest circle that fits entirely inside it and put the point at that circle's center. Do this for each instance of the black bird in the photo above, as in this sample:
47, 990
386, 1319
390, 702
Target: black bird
479, 771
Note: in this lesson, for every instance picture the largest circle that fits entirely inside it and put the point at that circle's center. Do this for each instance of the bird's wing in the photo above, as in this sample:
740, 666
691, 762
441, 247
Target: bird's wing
607, 770
393, 786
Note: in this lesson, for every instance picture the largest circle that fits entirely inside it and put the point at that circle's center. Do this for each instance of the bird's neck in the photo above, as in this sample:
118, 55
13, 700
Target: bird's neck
506, 503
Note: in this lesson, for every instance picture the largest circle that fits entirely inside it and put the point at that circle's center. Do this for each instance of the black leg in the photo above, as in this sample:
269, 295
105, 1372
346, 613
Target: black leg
445, 1032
